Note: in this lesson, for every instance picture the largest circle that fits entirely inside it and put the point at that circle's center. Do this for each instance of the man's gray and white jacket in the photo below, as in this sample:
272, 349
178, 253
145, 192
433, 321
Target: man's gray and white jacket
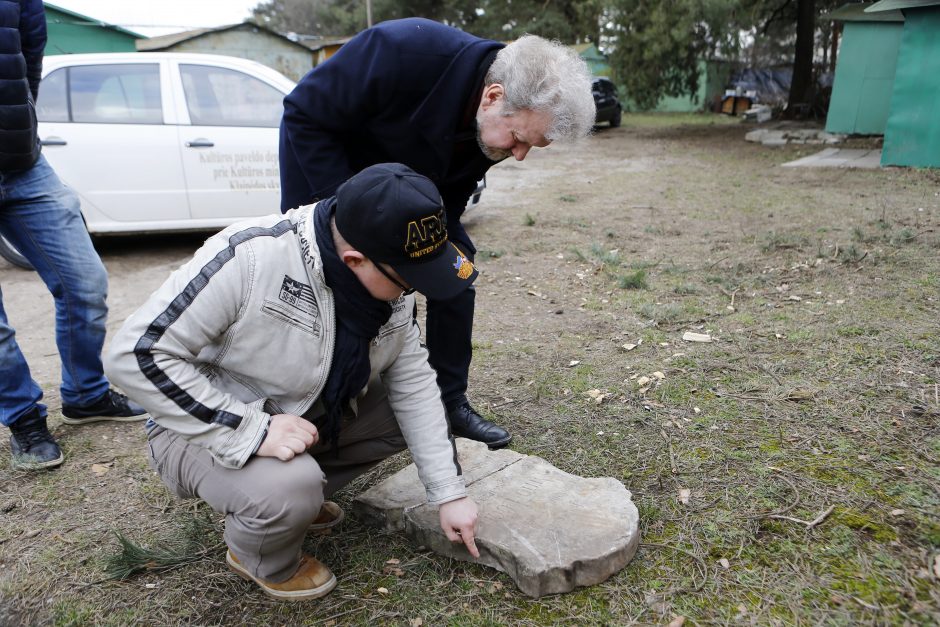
247, 328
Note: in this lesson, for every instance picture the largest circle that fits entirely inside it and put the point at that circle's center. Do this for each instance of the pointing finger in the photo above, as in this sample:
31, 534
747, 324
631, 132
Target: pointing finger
470, 542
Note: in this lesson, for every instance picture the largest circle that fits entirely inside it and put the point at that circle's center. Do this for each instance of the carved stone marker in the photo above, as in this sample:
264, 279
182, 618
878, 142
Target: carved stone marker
548, 530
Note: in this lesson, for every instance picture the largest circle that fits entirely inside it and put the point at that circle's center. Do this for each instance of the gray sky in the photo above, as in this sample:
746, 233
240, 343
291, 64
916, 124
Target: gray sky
159, 17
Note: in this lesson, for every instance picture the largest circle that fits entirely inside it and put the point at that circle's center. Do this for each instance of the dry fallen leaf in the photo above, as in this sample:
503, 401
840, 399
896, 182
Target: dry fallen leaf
724, 563
659, 375
897, 512
936, 565
642, 381
100, 469
628, 346
382, 590
799, 394
684, 495
393, 561
689, 336
573, 363
678, 621
33, 533
417, 622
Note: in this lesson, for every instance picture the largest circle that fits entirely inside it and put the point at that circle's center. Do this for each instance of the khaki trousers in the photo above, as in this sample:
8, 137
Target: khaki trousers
269, 504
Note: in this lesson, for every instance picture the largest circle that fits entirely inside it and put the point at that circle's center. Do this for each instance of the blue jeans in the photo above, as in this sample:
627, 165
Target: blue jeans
42, 218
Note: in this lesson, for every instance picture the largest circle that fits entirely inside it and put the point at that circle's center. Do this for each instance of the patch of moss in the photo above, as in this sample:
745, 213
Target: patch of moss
873, 587
860, 522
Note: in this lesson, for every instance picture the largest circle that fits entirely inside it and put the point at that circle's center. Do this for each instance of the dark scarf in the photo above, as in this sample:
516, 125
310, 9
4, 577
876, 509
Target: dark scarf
359, 317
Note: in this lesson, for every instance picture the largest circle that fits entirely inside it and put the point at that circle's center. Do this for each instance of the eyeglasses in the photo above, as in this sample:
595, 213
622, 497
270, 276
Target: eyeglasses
388, 275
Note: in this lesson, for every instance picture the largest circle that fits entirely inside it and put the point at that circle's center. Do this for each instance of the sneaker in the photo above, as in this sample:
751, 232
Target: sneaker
32, 445
311, 581
330, 515
112, 406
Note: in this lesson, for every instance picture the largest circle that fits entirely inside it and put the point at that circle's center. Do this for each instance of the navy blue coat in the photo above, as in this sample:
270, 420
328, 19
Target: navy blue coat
397, 92
22, 41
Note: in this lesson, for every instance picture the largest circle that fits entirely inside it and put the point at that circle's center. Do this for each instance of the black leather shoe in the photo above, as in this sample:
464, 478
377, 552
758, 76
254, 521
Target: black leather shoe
465, 422
32, 445
112, 405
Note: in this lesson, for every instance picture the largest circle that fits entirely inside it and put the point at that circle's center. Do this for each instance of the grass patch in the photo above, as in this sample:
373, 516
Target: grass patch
605, 256
633, 281
775, 241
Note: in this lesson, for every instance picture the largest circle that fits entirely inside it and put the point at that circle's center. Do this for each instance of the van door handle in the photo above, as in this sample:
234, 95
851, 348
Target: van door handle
200, 143
53, 141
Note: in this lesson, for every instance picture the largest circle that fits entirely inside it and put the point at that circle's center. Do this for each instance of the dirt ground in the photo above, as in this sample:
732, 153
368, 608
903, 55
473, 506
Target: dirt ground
787, 472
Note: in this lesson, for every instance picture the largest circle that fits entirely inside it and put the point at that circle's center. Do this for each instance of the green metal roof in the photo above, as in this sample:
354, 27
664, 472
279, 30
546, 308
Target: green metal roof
855, 12
84, 20
894, 5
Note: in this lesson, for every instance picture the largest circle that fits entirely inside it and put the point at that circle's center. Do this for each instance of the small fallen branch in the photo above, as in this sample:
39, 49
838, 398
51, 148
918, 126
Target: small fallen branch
877, 608
672, 457
809, 524
781, 512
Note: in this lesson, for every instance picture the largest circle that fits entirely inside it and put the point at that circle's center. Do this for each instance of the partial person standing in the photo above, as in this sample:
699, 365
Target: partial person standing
42, 219
449, 105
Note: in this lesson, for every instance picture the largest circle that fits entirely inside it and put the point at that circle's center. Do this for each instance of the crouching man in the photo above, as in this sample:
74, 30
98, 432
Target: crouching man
283, 361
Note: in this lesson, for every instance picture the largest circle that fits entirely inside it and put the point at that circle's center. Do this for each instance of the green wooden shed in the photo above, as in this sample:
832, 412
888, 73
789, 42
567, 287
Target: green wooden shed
864, 79
714, 74
595, 59
912, 134
712, 78
72, 33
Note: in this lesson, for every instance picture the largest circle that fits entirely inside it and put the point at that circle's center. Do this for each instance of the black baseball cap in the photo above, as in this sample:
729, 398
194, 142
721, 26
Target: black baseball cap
393, 215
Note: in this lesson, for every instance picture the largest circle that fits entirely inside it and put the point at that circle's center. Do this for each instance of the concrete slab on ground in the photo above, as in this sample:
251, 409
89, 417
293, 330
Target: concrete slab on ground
839, 158
550, 531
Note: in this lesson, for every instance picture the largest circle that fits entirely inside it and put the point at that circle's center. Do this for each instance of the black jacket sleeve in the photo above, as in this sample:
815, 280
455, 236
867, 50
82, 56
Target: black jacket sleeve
331, 102
33, 40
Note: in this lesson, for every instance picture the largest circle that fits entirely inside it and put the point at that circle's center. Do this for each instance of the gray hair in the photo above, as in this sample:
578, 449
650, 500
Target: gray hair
548, 76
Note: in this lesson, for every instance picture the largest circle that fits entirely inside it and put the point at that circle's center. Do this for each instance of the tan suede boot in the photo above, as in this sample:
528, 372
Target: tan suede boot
311, 581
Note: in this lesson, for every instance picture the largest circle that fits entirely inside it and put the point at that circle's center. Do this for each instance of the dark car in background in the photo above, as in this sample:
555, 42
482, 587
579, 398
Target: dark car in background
605, 98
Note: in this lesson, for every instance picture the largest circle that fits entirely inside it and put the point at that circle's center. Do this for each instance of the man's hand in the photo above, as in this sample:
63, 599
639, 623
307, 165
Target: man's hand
459, 521
288, 435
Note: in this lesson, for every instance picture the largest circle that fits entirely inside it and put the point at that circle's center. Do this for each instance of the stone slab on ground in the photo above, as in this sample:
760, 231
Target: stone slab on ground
839, 158
784, 136
550, 531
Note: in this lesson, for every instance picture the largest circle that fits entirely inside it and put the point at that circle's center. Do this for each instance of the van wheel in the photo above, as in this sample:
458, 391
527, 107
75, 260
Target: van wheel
9, 252
615, 121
